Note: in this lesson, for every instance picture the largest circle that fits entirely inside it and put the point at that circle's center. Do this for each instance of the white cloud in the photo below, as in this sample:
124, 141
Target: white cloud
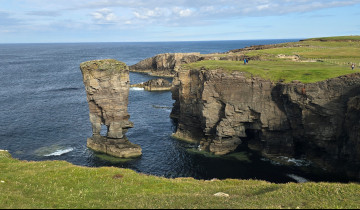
104, 16
182, 12
157, 12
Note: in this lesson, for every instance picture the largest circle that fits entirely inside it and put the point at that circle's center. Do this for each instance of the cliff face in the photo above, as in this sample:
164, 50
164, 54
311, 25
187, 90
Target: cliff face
107, 86
155, 85
165, 64
222, 111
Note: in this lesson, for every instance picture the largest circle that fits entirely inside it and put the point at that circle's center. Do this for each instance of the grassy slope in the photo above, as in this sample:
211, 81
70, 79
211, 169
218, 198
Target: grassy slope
58, 184
319, 60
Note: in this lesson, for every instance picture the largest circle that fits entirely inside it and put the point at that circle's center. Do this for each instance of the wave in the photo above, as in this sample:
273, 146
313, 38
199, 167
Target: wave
60, 152
297, 178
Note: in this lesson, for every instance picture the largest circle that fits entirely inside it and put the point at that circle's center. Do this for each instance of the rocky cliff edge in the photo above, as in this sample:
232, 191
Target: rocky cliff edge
318, 120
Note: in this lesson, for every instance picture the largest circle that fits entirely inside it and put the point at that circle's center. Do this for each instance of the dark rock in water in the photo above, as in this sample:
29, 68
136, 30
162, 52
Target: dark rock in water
319, 120
155, 85
116, 147
107, 86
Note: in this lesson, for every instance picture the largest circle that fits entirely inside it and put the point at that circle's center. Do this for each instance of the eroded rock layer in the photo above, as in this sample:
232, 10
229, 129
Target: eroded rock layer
107, 86
222, 110
159, 84
166, 64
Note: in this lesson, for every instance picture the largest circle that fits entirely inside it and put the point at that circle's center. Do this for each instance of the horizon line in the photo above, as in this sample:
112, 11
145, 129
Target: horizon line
80, 42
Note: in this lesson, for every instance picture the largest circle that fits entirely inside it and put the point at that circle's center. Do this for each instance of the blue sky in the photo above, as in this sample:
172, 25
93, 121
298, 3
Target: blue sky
43, 21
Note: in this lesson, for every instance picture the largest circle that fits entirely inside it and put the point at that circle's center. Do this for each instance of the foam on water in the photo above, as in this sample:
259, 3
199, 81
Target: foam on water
59, 152
297, 178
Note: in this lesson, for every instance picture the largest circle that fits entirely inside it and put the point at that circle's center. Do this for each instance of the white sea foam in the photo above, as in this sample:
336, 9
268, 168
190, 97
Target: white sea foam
297, 178
297, 162
60, 152
136, 88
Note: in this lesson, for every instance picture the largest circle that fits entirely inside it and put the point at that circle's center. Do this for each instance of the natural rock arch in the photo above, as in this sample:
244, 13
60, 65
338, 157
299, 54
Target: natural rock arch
107, 87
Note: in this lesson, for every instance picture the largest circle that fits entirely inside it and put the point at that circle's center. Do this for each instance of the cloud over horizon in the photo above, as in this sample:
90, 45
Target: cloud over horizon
151, 15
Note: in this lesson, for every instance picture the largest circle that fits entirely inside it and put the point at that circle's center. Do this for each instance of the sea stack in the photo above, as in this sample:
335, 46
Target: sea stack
107, 87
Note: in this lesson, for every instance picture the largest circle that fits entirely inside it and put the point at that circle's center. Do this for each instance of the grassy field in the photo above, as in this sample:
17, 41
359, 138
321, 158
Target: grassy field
316, 60
58, 184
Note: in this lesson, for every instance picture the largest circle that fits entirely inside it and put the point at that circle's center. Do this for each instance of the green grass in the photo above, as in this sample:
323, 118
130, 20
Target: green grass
336, 38
332, 59
284, 70
58, 184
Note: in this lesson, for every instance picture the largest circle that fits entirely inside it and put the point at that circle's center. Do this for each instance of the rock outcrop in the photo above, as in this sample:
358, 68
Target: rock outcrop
155, 85
165, 64
319, 120
107, 86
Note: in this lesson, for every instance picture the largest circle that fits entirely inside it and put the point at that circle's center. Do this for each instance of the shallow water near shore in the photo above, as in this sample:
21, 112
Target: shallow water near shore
45, 116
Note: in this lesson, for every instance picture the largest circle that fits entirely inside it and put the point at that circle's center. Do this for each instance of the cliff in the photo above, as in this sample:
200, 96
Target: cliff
107, 86
165, 64
155, 85
318, 120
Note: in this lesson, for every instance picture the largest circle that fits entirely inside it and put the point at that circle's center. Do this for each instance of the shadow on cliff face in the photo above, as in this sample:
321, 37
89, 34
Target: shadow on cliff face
324, 122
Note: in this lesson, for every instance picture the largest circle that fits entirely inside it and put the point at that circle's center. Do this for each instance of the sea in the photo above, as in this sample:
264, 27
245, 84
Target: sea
44, 114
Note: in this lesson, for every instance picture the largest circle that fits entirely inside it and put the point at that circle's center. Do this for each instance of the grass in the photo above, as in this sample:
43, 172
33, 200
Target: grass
318, 60
337, 38
59, 184
283, 70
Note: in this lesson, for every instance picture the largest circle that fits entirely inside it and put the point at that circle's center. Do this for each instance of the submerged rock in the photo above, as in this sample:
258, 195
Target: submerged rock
107, 86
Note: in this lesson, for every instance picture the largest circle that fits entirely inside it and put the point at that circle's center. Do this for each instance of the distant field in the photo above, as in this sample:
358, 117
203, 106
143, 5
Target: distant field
316, 60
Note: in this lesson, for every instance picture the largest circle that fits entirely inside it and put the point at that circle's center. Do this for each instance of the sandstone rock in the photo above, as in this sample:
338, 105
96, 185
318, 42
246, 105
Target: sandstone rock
320, 120
116, 147
155, 85
107, 86
165, 64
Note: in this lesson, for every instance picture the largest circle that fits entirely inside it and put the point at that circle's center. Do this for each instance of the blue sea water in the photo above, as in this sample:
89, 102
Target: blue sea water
44, 113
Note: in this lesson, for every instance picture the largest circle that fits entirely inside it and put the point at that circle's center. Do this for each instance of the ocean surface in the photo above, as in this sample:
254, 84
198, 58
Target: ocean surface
44, 114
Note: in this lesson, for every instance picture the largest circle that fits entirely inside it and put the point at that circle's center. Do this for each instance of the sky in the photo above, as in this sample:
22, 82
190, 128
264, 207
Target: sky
58, 21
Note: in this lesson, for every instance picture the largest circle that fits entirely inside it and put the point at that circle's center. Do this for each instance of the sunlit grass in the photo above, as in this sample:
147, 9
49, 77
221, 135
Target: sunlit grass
285, 71
316, 61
